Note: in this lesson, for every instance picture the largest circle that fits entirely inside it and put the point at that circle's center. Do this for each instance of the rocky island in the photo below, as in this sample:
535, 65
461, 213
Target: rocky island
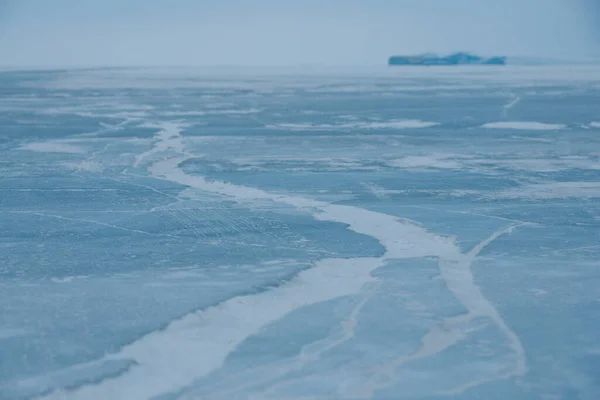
461, 58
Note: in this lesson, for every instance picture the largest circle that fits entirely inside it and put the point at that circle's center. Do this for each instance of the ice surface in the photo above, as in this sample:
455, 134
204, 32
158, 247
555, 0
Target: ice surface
198, 234
555, 190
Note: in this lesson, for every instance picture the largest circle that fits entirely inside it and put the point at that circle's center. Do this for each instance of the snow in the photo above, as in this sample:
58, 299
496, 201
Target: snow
53, 147
522, 125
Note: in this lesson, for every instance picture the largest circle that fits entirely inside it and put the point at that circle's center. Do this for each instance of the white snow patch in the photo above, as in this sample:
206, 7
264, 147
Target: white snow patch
398, 124
430, 161
523, 125
168, 138
53, 147
7, 333
377, 190
68, 279
211, 112
85, 165
513, 102
538, 292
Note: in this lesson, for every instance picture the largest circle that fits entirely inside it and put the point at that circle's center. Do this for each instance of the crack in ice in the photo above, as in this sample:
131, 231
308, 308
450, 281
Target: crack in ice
459, 279
194, 346
515, 99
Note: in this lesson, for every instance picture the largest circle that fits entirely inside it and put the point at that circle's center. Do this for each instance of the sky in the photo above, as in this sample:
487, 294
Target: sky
288, 32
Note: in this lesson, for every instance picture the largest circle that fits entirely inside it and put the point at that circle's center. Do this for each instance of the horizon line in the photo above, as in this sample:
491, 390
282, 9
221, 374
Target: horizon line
516, 61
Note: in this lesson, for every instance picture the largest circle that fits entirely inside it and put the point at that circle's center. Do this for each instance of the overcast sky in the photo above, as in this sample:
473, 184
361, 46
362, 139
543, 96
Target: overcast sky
288, 32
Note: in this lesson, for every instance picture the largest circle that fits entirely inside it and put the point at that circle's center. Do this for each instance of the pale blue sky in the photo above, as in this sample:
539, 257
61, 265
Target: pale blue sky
284, 32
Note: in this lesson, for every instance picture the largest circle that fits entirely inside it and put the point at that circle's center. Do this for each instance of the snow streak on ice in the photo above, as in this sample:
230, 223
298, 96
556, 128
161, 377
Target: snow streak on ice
192, 347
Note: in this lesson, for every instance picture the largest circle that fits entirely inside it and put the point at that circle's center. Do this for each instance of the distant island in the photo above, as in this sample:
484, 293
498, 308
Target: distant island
452, 59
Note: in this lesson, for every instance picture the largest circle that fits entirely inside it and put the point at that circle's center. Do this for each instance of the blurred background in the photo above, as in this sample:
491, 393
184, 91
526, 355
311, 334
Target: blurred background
283, 32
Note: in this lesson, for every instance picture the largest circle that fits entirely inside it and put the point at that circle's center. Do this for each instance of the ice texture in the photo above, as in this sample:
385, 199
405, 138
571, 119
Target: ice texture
290, 234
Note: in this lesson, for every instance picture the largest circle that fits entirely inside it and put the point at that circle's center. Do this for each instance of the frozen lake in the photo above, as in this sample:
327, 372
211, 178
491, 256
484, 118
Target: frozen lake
286, 234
